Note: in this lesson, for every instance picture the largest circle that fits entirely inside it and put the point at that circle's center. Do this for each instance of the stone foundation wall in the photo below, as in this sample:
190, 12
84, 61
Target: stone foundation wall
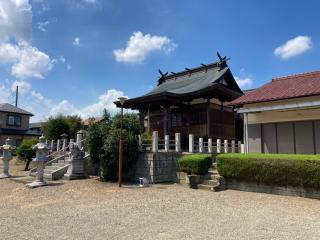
261, 188
157, 167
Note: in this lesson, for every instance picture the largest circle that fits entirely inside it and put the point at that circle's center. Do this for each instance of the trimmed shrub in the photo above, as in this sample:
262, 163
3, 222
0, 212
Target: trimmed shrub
272, 169
195, 163
25, 151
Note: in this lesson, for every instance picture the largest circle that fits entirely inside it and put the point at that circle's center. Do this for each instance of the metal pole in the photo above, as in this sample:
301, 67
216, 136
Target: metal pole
120, 149
17, 93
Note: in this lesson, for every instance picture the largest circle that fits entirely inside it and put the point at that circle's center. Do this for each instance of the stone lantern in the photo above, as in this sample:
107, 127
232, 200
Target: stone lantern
6, 157
42, 152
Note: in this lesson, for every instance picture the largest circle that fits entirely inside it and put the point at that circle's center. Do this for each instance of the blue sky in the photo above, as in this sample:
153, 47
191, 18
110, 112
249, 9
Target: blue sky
78, 56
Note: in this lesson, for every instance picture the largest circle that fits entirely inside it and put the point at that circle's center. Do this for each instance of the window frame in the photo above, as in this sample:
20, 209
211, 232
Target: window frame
15, 117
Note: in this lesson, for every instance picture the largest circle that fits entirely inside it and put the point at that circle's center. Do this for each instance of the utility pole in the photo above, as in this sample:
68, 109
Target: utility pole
17, 93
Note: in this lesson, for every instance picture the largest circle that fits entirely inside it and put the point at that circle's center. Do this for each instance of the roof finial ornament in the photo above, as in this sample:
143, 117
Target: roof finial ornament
161, 79
222, 61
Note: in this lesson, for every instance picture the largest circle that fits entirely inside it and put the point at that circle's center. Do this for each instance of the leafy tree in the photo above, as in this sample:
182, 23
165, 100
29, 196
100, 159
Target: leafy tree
56, 126
97, 133
110, 151
25, 151
75, 124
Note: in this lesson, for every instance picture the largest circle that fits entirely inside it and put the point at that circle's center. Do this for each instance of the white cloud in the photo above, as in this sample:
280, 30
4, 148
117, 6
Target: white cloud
105, 101
42, 26
76, 41
5, 94
244, 82
37, 95
24, 86
140, 46
15, 48
90, 1
27, 61
294, 47
15, 20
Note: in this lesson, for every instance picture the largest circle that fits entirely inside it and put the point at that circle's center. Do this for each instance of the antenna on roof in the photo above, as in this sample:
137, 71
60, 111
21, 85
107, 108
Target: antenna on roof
17, 93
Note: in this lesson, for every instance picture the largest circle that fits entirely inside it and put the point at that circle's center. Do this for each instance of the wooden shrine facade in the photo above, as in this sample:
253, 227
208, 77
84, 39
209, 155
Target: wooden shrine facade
194, 101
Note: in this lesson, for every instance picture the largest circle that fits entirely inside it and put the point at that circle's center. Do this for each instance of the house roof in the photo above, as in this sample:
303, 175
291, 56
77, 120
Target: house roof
36, 124
89, 120
6, 107
293, 86
206, 80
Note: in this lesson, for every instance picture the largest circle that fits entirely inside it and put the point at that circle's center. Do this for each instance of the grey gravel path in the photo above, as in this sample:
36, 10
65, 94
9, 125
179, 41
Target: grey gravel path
89, 209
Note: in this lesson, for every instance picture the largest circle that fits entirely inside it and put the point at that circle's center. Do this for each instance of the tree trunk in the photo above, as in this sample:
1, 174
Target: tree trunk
27, 165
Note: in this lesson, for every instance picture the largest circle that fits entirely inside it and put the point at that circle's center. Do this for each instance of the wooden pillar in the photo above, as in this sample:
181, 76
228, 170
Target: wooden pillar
208, 118
165, 120
222, 131
148, 113
189, 117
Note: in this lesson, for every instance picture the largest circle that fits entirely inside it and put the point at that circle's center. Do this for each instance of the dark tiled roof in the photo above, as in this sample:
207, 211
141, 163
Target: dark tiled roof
36, 125
192, 83
294, 86
6, 107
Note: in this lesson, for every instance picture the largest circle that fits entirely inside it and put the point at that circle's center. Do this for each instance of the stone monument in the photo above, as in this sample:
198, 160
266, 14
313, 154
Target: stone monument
42, 152
76, 161
6, 157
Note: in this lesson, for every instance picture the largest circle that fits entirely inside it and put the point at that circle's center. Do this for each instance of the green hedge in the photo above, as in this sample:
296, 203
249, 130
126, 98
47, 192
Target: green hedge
272, 169
195, 163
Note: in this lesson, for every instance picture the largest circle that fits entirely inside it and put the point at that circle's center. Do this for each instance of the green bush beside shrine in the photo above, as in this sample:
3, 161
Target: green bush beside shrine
271, 169
195, 163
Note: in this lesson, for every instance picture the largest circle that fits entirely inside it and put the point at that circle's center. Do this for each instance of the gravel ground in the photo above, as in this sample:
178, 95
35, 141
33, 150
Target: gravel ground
89, 209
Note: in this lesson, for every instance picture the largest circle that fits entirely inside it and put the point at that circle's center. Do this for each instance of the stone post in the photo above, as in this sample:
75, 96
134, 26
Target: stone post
239, 146
58, 145
191, 143
6, 157
155, 141
200, 145
42, 152
178, 142
76, 162
233, 146
166, 143
225, 146
209, 145
140, 142
64, 145
80, 137
242, 148
52, 145
218, 145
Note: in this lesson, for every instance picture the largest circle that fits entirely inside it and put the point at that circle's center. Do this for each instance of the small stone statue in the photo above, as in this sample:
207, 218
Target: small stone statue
76, 161
7, 156
42, 152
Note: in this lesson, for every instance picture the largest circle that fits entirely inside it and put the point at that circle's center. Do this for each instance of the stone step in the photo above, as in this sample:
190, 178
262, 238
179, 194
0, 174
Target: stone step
213, 172
62, 161
211, 177
47, 176
58, 164
206, 187
210, 182
52, 167
48, 171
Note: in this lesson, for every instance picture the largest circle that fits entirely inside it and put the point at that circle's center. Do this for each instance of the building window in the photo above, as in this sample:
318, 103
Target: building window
14, 120
177, 120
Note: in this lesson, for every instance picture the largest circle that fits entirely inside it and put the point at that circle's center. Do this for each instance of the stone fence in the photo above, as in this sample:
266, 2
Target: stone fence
198, 145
